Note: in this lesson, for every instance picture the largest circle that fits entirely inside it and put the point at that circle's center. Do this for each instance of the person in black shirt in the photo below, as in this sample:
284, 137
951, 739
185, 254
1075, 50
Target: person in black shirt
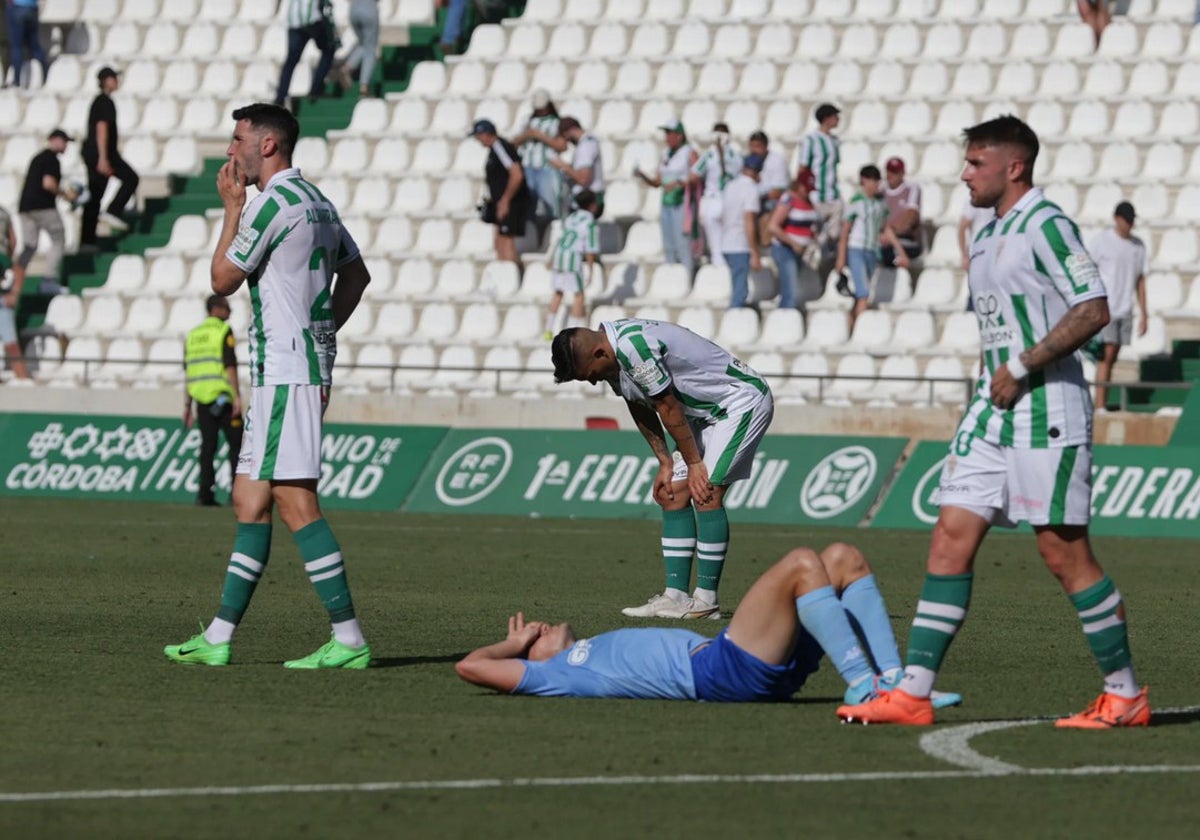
38, 210
507, 204
104, 162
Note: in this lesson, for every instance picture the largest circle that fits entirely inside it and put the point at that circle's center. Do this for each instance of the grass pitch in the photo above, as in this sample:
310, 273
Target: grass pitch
93, 590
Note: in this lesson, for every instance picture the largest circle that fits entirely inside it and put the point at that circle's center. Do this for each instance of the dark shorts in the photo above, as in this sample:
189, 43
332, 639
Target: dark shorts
724, 673
511, 225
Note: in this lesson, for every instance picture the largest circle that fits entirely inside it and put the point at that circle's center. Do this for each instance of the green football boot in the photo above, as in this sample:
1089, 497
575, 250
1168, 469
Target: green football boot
198, 651
334, 654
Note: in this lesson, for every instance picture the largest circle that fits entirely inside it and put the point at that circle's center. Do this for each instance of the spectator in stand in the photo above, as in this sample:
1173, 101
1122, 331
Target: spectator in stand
104, 161
577, 248
536, 145
740, 206
820, 152
903, 199
673, 172
774, 178
364, 20
858, 242
793, 225
22, 20
507, 205
586, 169
9, 299
307, 20
38, 210
713, 171
1122, 261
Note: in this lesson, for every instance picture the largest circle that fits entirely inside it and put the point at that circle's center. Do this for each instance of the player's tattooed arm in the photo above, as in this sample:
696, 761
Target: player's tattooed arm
646, 420
1081, 322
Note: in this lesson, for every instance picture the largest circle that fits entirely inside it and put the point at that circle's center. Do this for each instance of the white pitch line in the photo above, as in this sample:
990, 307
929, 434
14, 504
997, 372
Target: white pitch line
576, 781
951, 744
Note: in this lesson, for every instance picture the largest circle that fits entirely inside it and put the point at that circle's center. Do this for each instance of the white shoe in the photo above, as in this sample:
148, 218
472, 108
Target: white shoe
664, 606
114, 222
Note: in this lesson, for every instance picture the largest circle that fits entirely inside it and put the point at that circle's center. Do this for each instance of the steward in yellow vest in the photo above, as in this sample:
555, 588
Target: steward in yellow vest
211, 383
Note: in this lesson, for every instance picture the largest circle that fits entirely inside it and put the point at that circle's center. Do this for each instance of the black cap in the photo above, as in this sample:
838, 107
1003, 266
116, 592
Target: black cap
827, 110
58, 133
106, 73
482, 127
1125, 211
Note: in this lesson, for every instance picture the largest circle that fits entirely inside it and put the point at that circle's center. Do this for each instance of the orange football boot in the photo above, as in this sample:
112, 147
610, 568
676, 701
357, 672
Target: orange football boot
896, 706
1110, 710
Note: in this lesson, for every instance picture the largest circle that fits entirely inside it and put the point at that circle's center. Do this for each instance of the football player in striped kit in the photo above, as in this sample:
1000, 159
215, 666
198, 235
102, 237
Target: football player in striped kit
1023, 451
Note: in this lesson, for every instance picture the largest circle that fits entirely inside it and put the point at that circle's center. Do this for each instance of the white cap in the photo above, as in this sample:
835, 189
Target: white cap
541, 98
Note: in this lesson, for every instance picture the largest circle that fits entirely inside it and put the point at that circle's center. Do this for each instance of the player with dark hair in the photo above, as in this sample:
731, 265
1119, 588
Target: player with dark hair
716, 409
801, 608
1023, 451
286, 244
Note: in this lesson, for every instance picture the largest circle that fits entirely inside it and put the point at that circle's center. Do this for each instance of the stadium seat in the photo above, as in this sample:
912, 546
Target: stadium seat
643, 240
898, 380
522, 324
499, 279
1177, 247
698, 319
782, 329
1179, 119
488, 40
527, 41
808, 378
1164, 292
943, 40
914, 331
432, 155
712, 287
872, 331
415, 366
1190, 308
1153, 343
65, 314
854, 378
801, 78
394, 235
1187, 205
105, 314
960, 335
1149, 78
567, 40
458, 367
146, 314
372, 366
455, 281
393, 321
390, 156
469, 78
674, 80
428, 80
817, 40
738, 328
1151, 201
950, 368
435, 236
500, 369
1134, 119
774, 41
1074, 40
825, 329
930, 79
669, 284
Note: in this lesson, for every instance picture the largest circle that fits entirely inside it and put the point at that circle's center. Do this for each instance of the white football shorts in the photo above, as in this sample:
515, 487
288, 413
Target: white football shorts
282, 437
567, 282
728, 446
1006, 485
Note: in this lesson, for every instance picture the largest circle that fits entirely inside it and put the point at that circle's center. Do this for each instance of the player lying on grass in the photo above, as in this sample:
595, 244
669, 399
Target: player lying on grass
800, 608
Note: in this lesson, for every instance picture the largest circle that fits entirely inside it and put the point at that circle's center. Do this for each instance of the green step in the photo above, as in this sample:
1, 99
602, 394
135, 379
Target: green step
1186, 349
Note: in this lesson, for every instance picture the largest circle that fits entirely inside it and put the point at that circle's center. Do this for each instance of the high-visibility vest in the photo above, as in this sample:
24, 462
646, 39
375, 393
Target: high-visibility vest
205, 361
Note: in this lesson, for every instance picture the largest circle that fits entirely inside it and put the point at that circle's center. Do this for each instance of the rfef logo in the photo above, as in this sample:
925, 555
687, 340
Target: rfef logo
474, 471
923, 506
838, 482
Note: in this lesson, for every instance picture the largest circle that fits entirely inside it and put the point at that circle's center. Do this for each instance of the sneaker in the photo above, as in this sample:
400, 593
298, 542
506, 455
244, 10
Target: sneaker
896, 706
699, 608
334, 654
198, 651
1110, 710
114, 221
944, 699
660, 606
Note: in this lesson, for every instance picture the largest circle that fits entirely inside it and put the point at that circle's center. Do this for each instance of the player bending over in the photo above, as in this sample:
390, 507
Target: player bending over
797, 610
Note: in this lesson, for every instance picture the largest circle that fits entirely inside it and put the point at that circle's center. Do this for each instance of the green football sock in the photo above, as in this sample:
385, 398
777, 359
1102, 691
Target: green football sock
1099, 608
678, 546
712, 541
940, 612
323, 562
251, 549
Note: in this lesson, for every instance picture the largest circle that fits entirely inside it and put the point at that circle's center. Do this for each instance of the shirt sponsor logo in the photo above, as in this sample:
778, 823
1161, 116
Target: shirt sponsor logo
647, 374
474, 471
1081, 268
838, 482
245, 240
580, 652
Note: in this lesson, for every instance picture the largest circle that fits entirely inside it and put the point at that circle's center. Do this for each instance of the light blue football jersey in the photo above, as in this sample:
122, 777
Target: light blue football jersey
638, 663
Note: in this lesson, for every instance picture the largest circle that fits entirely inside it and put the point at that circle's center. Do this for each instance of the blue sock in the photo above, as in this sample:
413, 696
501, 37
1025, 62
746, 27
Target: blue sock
822, 615
863, 600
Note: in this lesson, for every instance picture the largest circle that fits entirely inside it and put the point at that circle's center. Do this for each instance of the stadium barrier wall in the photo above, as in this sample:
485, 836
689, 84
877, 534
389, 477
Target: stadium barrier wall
795, 479
1137, 491
151, 458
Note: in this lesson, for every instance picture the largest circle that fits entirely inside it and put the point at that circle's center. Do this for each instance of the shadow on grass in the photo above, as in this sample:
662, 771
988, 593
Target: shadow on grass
1175, 717
405, 661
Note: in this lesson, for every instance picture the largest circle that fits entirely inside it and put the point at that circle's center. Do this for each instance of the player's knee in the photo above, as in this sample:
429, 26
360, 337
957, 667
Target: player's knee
801, 561
845, 562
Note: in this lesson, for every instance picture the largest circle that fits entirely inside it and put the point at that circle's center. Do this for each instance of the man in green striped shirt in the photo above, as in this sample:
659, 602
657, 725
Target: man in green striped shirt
716, 409
821, 152
1023, 449
286, 244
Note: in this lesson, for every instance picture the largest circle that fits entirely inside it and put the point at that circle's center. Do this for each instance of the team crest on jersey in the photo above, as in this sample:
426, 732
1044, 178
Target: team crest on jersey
580, 652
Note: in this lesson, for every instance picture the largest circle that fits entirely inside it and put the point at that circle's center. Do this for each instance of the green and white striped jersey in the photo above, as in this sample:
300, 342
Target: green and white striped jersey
580, 236
715, 176
654, 356
866, 217
534, 153
303, 12
821, 153
1027, 269
290, 242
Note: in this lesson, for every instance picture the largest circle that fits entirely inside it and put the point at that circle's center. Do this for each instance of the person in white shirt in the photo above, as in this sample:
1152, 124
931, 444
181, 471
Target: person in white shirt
740, 206
713, 171
677, 161
1123, 263
774, 179
903, 199
586, 169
